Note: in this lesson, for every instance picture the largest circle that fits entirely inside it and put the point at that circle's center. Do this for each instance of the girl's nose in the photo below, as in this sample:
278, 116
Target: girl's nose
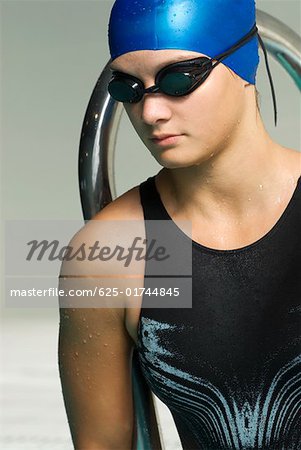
154, 108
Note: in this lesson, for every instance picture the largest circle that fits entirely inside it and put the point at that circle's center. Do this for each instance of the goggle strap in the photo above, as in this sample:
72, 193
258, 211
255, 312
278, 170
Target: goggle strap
239, 44
242, 42
270, 78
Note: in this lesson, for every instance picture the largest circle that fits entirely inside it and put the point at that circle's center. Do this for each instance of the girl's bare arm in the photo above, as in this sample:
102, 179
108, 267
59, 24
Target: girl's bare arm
95, 362
95, 357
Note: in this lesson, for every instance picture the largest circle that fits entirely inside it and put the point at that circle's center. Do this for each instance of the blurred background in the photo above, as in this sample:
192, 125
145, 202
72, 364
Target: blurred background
52, 53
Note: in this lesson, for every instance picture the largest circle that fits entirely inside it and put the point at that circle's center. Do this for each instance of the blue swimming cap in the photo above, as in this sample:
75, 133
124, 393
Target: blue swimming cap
205, 26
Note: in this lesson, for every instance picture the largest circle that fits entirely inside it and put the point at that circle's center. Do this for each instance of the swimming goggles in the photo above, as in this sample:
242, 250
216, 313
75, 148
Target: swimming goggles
180, 78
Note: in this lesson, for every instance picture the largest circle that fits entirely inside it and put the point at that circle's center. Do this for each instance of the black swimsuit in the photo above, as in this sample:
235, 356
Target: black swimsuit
229, 369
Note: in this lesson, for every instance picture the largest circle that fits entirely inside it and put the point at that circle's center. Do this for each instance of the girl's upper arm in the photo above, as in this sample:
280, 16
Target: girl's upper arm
95, 357
95, 361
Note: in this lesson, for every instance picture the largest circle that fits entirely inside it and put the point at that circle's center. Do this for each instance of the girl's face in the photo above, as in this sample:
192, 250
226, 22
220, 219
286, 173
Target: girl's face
204, 121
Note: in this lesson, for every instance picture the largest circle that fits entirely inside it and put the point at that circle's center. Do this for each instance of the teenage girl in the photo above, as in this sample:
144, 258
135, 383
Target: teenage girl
229, 367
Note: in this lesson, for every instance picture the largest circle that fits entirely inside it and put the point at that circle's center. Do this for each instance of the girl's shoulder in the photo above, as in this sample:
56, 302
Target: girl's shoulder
125, 207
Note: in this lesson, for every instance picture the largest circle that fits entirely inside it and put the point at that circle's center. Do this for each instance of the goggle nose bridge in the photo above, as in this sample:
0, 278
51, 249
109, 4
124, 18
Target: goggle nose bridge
152, 89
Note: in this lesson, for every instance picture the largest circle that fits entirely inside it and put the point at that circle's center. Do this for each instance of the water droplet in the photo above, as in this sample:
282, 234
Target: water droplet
90, 336
97, 353
105, 345
73, 309
87, 326
249, 199
88, 378
84, 319
84, 341
77, 373
76, 353
97, 334
260, 187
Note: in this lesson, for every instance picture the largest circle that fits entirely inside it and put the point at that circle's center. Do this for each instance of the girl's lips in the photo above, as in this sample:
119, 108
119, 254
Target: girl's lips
169, 140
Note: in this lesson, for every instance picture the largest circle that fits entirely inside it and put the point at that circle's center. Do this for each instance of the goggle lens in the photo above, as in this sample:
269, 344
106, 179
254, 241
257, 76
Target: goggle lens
124, 90
175, 84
